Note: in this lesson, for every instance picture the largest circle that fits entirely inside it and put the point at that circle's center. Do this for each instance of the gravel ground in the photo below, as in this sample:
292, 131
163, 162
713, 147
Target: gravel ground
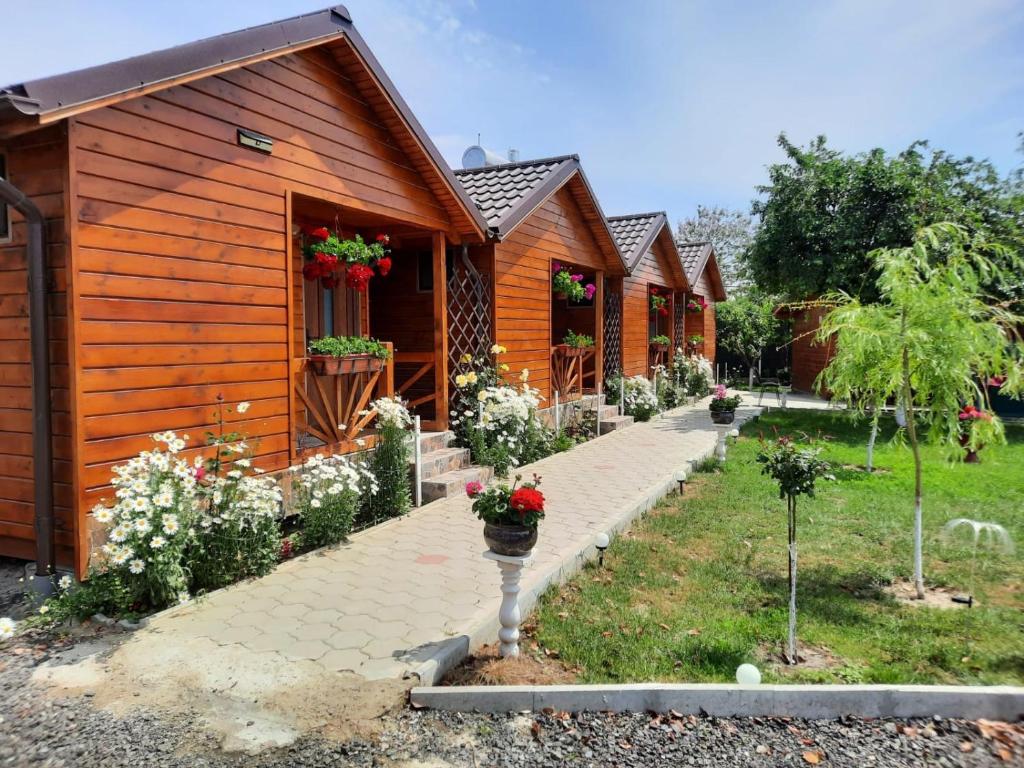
38, 730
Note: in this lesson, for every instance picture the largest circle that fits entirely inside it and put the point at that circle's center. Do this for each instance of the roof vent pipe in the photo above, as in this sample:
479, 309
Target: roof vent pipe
42, 450
513, 155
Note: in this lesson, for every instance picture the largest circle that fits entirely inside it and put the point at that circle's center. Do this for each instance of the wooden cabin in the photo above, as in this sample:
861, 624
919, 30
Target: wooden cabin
652, 295
543, 213
174, 187
706, 288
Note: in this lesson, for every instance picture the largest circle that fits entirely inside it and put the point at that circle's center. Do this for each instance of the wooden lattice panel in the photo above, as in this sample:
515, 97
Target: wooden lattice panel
469, 314
612, 330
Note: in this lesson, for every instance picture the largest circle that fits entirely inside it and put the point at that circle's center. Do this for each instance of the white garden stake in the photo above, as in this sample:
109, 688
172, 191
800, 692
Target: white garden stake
622, 394
558, 419
597, 412
509, 615
417, 453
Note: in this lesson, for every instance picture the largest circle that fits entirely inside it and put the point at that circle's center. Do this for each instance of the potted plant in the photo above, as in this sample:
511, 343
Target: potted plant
510, 514
329, 256
568, 285
335, 355
696, 304
660, 343
659, 304
575, 344
694, 342
722, 406
968, 417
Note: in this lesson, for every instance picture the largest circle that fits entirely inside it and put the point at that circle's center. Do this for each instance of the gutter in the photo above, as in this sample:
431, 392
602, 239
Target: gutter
42, 449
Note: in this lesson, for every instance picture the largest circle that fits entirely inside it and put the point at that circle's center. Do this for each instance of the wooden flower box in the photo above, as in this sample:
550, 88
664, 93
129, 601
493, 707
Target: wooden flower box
566, 351
328, 365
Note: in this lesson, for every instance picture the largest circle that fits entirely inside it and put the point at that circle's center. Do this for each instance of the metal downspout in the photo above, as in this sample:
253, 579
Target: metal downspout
42, 450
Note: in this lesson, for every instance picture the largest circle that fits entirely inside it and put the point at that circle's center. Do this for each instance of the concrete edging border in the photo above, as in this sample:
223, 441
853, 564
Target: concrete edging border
814, 702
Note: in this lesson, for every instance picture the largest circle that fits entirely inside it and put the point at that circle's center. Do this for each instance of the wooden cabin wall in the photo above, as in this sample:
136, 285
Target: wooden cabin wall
636, 308
36, 164
703, 323
181, 273
556, 231
809, 357
566, 317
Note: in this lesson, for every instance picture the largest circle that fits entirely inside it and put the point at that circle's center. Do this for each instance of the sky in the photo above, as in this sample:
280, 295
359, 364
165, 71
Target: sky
668, 103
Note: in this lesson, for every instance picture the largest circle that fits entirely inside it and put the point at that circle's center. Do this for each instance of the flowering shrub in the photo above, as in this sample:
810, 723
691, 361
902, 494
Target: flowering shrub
328, 255
641, 401
569, 284
502, 505
693, 373
390, 461
495, 420
327, 490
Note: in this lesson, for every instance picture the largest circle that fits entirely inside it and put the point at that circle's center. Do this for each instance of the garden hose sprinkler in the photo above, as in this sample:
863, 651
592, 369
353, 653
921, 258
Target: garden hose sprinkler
967, 600
991, 537
601, 542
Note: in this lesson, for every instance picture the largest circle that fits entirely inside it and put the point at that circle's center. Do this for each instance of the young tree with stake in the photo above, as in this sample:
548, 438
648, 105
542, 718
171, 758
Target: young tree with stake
929, 343
795, 469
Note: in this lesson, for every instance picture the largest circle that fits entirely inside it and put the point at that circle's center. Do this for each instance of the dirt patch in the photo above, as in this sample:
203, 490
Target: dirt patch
486, 667
904, 593
864, 469
810, 657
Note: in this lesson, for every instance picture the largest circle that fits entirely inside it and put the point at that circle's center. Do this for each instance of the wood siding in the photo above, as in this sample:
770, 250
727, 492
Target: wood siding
653, 269
809, 357
37, 164
703, 323
556, 231
182, 245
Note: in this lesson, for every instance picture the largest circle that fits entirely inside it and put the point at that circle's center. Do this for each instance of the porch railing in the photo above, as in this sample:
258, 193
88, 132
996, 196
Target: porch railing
567, 371
334, 410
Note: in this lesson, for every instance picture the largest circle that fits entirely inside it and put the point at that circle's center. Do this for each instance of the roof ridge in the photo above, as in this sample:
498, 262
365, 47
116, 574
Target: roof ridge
693, 242
637, 215
518, 164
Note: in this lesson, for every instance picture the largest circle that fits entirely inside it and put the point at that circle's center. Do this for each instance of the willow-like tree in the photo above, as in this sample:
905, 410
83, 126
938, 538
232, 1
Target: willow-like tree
933, 342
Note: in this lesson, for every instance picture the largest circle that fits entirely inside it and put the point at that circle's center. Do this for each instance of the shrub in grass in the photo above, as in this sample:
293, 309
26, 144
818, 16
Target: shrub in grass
327, 491
390, 461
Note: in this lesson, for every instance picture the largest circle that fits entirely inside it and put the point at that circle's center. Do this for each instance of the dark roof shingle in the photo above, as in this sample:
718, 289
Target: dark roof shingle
692, 254
634, 234
501, 190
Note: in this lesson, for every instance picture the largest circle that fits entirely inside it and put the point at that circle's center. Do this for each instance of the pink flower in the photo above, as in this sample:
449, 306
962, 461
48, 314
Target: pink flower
576, 278
720, 392
556, 266
473, 488
589, 291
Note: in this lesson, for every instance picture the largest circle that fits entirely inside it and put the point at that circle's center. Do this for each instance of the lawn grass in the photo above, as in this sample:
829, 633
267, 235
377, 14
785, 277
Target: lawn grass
699, 586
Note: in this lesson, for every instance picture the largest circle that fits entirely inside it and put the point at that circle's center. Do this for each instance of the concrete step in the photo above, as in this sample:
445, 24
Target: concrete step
609, 411
434, 441
614, 423
443, 460
450, 484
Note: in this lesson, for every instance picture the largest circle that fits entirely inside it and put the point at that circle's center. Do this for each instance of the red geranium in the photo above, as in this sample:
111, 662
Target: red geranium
663, 311
357, 276
384, 265
329, 281
383, 239
525, 500
327, 261
311, 270
316, 233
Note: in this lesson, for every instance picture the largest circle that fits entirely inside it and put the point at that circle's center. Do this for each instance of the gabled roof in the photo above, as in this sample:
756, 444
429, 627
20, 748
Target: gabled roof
50, 99
637, 233
507, 194
698, 257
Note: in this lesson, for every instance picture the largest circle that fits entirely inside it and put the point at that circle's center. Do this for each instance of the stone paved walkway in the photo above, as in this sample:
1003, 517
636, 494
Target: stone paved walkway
402, 600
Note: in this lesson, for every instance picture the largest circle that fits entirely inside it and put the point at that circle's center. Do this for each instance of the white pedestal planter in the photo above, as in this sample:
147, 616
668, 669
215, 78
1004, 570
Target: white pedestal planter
508, 615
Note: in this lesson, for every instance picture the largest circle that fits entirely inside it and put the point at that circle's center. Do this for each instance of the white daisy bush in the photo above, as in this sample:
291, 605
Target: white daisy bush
390, 462
326, 493
641, 401
155, 503
495, 418
692, 373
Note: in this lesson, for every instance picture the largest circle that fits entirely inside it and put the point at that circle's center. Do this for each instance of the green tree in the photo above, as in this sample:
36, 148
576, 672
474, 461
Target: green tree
933, 336
824, 211
745, 326
730, 232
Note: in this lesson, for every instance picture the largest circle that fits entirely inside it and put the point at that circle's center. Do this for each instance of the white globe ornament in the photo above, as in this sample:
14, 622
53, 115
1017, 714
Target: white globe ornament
748, 674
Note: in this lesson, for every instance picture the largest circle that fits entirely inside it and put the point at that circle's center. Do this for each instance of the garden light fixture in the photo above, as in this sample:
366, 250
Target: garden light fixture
680, 477
601, 542
748, 674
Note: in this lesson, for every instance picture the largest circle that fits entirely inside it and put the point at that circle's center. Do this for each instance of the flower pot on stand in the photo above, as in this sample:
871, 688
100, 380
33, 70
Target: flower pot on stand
510, 540
971, 457
722, 417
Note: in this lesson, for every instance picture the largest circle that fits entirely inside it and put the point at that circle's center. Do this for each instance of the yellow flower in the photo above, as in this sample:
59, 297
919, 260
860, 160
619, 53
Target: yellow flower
525, 375
471, 377
461, 380
503, 367
497, 349
481, 395
466, 358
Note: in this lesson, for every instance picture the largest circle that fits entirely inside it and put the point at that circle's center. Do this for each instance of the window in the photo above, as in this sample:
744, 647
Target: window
328, 310
425, 272
5, 213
